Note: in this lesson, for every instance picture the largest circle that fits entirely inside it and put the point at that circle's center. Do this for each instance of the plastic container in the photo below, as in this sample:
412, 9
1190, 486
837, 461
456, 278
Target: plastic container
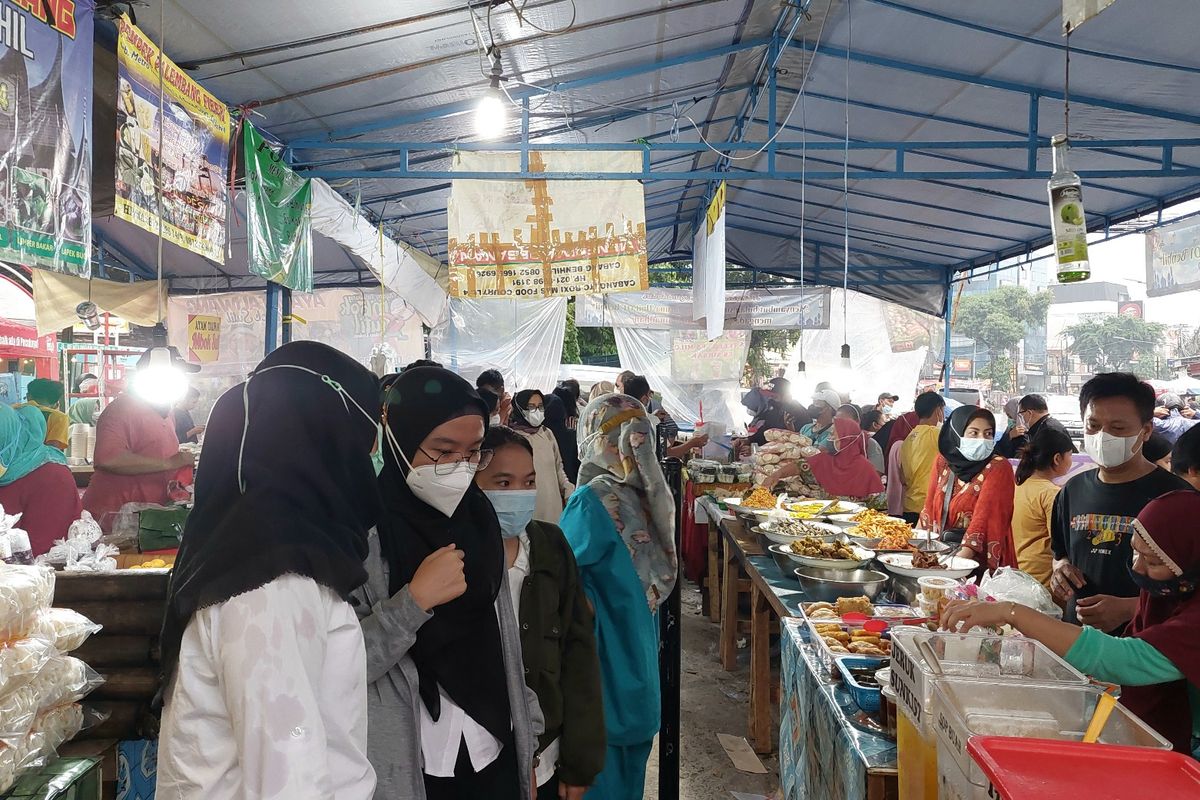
935, 587
973, 656
867, 697
964, 708
1034, 769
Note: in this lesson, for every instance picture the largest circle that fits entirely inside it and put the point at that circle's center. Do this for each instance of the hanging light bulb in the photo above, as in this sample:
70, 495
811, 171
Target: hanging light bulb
491, 116
846, 357
158, 380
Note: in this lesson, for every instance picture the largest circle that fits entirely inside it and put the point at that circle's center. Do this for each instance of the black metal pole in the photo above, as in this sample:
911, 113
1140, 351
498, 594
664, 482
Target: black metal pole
670, 653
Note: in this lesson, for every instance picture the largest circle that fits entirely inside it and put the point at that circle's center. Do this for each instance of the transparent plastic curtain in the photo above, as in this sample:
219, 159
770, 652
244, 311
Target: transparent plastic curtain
876, 367
521, 338
648, 353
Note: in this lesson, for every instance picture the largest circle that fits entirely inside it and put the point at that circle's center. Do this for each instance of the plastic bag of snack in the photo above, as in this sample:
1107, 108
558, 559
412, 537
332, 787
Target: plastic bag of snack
21, 661
65, 628
18, 710
64, 679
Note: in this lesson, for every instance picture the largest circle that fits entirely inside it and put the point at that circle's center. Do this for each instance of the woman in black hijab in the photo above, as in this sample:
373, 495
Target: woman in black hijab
263, 658
450, 712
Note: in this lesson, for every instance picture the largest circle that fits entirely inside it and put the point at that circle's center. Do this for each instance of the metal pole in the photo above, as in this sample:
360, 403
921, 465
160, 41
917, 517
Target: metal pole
670, 653
946, 342
286, 320
271, 340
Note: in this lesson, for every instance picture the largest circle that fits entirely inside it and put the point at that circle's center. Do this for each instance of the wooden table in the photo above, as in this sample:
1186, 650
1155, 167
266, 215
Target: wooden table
83, 474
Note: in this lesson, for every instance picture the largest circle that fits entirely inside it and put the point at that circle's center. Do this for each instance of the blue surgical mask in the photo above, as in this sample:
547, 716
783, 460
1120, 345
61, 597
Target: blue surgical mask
976, 449
514, 507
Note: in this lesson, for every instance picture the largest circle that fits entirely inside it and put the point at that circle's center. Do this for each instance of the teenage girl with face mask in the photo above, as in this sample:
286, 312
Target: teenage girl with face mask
451, 716
971, 490
553, 486
1157, 661
557, 637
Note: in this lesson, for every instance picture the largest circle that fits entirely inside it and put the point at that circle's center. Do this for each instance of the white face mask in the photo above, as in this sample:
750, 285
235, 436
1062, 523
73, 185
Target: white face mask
443, 492
1110, 451
976, 449
535, 416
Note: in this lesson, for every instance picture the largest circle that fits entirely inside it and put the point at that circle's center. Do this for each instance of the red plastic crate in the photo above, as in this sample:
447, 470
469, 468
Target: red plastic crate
1042, 769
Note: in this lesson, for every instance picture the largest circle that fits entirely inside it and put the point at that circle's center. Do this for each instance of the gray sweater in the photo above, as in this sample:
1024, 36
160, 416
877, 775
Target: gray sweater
390, 625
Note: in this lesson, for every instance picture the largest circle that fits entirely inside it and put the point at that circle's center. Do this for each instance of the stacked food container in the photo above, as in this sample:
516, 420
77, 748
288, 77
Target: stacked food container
920, 659
965, 708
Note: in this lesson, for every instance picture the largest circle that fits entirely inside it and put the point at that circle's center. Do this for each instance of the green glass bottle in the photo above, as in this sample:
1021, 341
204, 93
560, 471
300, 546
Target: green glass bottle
1067, 217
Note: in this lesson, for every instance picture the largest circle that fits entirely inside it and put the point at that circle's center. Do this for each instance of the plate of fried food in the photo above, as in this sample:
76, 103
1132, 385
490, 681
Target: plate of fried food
844, 640
811, 551
839, 608
786, 530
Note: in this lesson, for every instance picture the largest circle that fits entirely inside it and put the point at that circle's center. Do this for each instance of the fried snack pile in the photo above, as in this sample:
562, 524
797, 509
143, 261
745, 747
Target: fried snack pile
813, 547
759, 498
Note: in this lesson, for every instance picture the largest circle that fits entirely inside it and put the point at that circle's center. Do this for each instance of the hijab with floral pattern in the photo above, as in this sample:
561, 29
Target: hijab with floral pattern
618, 462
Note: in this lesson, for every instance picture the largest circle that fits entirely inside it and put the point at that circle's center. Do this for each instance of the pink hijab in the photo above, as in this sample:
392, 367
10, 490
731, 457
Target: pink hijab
846, 473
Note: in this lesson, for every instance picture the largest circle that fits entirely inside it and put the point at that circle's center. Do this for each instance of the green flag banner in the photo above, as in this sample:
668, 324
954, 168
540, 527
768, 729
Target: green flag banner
278, 214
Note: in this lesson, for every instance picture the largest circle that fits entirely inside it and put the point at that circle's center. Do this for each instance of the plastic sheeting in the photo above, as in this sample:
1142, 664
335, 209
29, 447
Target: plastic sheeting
521, 338
875, 366
708, 268
403, 269
347, 319
671, 309
648, 353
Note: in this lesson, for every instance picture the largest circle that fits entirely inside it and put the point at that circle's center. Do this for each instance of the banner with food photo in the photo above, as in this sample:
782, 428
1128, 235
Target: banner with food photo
194, 130
45, 135
523, 239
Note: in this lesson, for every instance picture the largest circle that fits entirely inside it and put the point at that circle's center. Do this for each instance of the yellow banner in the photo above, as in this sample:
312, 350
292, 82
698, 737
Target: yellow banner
546, 238
716, 207
203, 338
193, 130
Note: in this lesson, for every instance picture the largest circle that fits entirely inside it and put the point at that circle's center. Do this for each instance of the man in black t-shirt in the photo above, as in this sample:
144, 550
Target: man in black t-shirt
1094, 513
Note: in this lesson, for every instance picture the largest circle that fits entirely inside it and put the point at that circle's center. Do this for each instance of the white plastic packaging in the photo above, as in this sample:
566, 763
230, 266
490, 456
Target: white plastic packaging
64, 679
1009, 584
24, 591
65, 628
21, 661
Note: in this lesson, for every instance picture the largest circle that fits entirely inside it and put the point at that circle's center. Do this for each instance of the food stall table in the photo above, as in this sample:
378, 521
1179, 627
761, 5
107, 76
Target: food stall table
823, 750
83, 474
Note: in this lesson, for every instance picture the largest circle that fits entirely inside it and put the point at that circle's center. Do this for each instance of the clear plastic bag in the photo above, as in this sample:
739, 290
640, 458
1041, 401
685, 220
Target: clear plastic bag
18, 710
85, 529
64, 679
52, 729
1009, 584
21, 661
65, 628
8, 767
23, 592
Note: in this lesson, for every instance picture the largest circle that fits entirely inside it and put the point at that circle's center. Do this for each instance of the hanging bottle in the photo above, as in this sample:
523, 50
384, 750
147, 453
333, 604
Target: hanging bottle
1067, 217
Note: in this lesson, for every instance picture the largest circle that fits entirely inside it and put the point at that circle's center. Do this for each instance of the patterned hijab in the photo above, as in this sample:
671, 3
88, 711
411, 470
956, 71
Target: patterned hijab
618, 462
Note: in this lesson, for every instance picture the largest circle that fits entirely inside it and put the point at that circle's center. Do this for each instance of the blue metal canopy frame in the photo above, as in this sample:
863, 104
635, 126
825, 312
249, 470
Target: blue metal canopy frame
953, 108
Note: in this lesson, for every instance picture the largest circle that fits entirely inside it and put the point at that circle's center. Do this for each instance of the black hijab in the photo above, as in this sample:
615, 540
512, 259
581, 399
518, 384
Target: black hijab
951, 436
310, 492
459, 648
557, 415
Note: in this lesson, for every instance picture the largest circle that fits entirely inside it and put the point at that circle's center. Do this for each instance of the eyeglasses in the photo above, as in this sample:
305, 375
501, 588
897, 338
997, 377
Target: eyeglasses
445, 463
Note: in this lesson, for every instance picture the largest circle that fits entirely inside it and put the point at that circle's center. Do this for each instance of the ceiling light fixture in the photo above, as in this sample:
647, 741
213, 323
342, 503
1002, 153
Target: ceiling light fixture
491, 116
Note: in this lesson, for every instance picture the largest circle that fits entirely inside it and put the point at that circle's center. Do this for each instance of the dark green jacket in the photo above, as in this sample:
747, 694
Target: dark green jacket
558, 642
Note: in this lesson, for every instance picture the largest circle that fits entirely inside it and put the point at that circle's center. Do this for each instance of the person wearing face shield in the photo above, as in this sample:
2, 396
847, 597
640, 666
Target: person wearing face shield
1094, 513
451, 716
621, 526
1157, 662
264, 669
557, 640
528, 418
970, 495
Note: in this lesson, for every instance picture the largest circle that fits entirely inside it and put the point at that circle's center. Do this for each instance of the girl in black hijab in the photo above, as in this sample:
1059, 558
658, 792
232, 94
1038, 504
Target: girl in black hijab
263, 657
450, 712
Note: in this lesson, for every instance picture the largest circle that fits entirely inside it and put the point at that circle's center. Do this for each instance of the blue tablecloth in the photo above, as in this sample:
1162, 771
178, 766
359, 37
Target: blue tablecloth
821, 753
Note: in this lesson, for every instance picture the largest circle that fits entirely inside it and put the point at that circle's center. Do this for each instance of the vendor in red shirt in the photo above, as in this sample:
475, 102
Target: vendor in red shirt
34, 479
137, 454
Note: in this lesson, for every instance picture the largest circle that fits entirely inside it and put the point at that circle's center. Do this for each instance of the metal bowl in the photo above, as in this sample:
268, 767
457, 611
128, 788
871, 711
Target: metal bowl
830, 584
830, 533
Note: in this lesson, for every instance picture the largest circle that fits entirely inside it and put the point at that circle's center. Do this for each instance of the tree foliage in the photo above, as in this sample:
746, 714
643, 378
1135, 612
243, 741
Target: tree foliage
586, 345
998, 319
1114, 342
762, 343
